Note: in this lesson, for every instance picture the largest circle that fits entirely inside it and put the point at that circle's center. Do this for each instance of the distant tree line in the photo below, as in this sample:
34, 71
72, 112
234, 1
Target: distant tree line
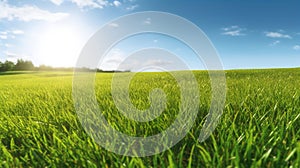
25, 65
21, 65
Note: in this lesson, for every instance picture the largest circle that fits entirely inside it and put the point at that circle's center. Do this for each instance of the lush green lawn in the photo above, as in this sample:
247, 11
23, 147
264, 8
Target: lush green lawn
260, 126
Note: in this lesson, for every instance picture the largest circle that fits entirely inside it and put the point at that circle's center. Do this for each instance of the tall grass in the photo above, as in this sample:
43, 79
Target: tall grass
260, 126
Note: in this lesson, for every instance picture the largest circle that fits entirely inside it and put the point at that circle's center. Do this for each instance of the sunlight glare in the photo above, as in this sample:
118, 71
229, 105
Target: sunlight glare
59, 46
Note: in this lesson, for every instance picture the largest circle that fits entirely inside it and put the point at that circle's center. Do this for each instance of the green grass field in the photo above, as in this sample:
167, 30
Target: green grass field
260, 126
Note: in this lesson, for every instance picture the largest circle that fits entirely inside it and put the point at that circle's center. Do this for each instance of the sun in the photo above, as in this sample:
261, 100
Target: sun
59, 45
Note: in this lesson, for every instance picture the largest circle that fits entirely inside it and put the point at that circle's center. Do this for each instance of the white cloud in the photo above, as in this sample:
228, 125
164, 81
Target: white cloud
296, 47
147, 21
4, 33
233, 31
117, 59
117, 3
8, 45
17, 32
277, 35
10, 54
10, 34
94, 4
91, 3
136, 63
114, 25
3, 36
275, 43
157, 62
113, 59
57, 2
28, 13
84, 3
132, 7
102, 2
230, 28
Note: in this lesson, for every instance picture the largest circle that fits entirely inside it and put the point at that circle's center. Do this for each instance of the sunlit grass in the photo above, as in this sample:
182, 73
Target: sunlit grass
260, 126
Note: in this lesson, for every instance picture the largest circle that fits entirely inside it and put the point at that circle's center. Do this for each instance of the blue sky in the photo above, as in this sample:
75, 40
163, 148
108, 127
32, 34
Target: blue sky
246, 34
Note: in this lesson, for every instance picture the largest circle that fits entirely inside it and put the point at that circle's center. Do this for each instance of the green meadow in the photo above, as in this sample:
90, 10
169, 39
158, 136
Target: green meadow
260, 125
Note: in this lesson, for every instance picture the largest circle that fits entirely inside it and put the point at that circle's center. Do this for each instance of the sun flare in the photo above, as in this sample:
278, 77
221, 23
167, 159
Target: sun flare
59, 46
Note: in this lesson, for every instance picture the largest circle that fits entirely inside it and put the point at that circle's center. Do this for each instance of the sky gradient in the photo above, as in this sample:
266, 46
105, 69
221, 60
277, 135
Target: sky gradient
246, 34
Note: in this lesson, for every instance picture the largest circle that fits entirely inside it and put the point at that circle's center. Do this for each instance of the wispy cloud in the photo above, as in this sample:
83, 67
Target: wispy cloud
4, 32
3, 36
277, 35
118, 59
132, 7
296, 47
8, 45
97, 4
113, 59
275, 43
57, 2
17, 32
12, 56
156, 62
91, 3
117, 3
147, 21
10, 34
137, 63
233, 31
94, 4
114, 25
230, 28
28, 13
